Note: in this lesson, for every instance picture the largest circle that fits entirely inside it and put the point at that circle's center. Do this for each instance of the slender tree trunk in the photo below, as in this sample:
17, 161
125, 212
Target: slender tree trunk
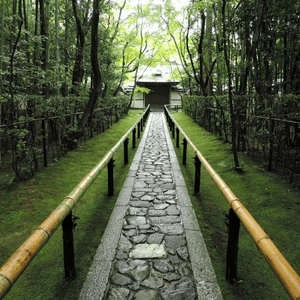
198, 77
1, 70
36, 32
57, 70
44, 4
12, 57
209, 83
78, 64
121, 80
96, 78
44, 17
232, 112
65, 90
12, 111
246, 57
141, 51
200, 56
285, 64
25, 18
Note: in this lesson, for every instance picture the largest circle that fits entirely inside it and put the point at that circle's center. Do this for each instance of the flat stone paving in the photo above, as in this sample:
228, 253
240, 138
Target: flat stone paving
154, 248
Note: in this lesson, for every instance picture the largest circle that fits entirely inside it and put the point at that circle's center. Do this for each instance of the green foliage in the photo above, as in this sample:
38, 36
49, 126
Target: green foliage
197, 107
269, 134
25, 147
142, 90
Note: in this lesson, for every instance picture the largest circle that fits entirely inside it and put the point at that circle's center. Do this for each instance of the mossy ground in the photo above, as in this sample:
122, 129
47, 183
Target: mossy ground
270, 200
24, 206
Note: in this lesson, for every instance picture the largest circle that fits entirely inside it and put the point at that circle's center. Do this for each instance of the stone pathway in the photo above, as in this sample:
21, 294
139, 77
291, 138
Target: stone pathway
152, 258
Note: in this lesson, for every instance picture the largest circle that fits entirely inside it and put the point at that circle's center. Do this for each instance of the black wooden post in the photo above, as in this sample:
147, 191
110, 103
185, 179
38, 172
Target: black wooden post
232, 246
126, 142
110, 175
68, 245
184, 151
142, 124
173, 130
177, 137
197, 163
133, 137
139, 130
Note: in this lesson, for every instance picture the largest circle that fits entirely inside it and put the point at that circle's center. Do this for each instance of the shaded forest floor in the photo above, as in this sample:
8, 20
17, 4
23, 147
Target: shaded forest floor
270, 199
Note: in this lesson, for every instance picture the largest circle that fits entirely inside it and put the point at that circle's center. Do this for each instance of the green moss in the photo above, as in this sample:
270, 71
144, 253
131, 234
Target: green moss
270, 200
25, 206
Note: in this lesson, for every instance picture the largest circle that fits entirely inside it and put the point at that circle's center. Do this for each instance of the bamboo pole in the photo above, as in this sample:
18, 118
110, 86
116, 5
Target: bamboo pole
280, 266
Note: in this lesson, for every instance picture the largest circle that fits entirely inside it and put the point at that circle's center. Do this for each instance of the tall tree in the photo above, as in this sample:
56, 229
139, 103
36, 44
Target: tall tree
96, 78
1, 71
44, 25
57, 68
231, 106
12, 61
82, 28
65, 89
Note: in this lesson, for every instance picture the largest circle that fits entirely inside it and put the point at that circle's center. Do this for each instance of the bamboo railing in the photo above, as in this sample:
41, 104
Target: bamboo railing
280, 266
62, 214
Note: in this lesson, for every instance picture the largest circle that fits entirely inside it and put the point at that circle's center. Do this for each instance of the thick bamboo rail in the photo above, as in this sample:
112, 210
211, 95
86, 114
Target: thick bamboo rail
19, 261
280, 266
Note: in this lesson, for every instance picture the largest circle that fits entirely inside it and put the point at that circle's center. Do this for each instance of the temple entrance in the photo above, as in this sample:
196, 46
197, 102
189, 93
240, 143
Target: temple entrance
159, 96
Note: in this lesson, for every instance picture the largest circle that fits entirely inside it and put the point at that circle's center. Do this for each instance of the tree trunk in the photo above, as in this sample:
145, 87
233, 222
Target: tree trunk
198, 78
1, 70
57, 70
36, 32
44, 20
65, 90
211, 63
96, 78
44, 4
78, 65
232, 113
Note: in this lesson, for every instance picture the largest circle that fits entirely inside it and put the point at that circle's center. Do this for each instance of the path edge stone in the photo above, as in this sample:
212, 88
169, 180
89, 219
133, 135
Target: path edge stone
96, 281
204, 274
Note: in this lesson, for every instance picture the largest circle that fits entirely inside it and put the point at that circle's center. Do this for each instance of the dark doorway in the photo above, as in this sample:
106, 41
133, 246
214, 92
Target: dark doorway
159, 96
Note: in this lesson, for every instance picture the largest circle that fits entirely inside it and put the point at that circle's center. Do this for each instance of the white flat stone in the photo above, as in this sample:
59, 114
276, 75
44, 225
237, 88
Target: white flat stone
148, 251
